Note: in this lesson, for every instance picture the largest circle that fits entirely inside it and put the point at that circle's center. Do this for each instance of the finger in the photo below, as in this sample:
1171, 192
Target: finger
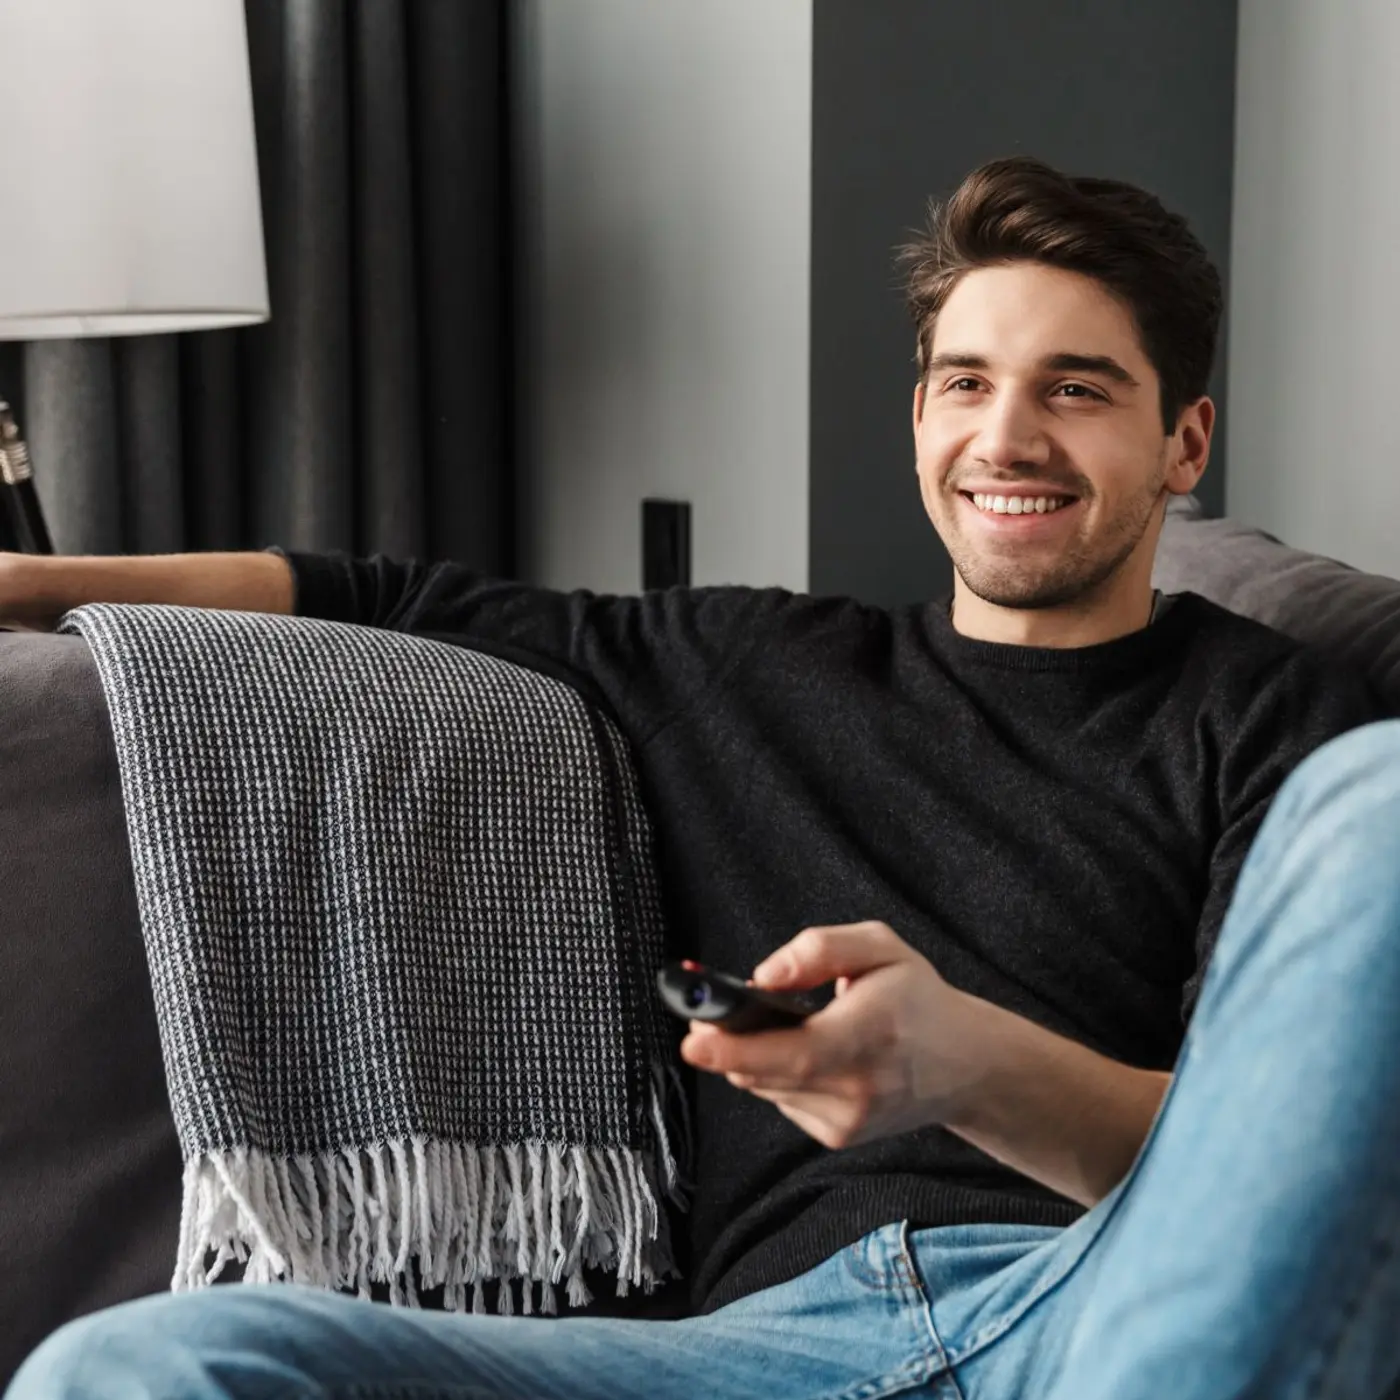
815, 1104
819, 954
832, 1119
795, 1055
814, 1124
836, 1086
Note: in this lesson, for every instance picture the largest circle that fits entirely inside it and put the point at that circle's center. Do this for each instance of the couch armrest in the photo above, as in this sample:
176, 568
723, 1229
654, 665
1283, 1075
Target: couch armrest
89, 1166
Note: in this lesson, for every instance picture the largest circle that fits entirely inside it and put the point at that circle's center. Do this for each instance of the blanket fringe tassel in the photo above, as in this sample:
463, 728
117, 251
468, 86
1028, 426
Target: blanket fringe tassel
423, 1213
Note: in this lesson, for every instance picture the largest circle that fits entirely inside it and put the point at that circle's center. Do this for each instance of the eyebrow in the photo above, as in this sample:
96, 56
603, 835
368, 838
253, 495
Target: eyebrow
1063, 362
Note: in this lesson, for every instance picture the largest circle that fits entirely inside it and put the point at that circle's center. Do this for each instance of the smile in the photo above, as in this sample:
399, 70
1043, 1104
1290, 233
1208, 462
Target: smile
1022, 503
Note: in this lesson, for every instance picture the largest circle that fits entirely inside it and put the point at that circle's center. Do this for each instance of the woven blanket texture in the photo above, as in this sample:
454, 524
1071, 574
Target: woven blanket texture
402, 920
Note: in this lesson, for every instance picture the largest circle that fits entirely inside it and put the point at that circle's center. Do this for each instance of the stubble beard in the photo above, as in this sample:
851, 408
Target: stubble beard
1075, 574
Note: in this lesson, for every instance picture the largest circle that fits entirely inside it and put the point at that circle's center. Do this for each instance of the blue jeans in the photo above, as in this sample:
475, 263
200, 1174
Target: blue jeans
1252, 1251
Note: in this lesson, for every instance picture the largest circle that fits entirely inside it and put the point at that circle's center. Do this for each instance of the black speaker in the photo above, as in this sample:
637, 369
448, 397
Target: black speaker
665, 544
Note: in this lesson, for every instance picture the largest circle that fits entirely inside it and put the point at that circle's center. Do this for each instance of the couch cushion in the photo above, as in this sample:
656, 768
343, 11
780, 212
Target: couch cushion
89, 1166
1351, 615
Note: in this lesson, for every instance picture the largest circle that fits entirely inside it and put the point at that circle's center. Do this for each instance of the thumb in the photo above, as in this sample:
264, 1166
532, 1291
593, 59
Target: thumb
817, 955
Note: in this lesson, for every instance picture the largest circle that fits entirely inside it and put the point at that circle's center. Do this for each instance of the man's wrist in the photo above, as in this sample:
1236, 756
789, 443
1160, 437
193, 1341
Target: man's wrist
1048, 1106
26, 586
990, 1053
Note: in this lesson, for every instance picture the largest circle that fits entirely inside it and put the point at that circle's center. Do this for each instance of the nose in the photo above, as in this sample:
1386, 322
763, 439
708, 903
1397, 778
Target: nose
1010, 433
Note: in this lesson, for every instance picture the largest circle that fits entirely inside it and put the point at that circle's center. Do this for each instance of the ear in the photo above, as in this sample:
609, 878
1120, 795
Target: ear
1193, 431
918, 408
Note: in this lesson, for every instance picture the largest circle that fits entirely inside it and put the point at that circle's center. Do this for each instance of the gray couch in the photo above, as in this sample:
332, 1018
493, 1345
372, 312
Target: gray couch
89, 1168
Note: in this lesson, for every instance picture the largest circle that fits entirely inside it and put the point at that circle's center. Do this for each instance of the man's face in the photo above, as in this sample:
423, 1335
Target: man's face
1038, 428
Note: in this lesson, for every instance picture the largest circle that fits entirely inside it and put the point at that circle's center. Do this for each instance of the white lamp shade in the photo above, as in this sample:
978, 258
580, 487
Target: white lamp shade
128, 170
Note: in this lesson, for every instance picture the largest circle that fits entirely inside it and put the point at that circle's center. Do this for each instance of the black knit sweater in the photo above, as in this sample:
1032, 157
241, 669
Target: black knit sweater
1058, 831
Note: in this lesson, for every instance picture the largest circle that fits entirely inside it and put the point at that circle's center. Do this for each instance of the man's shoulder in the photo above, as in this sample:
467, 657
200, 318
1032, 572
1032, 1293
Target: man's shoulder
1243, 644
1244, 667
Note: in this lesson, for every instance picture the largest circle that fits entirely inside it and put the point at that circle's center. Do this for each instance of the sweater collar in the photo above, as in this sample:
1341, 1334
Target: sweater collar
1169, 614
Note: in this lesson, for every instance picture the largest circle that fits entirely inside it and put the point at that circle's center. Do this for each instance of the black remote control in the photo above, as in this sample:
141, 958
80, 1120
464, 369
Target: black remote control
696, 993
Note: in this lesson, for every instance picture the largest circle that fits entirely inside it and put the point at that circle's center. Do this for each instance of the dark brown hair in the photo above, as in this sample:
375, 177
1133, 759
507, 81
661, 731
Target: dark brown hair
1022, 210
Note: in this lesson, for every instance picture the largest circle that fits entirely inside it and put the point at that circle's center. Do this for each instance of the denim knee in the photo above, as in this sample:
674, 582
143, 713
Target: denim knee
1323, 875
152, 1346
78, 1360
1357, 773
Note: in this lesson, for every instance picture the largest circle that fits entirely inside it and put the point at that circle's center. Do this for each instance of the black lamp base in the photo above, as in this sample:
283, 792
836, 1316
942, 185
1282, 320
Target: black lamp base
9, 539
21, 511
26, 518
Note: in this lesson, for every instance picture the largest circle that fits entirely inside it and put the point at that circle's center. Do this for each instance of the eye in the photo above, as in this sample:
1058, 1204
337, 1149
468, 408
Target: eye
1081, 391
964, 383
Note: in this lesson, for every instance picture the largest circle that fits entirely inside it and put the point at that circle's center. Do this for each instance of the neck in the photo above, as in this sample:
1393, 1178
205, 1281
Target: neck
1082, 623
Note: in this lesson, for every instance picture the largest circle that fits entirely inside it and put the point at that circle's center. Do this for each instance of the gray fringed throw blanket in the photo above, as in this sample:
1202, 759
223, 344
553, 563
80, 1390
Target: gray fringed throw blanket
401, 915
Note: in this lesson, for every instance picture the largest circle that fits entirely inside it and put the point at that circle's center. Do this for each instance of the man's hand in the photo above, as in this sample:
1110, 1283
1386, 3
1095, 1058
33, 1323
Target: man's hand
884, 1057
900, 1049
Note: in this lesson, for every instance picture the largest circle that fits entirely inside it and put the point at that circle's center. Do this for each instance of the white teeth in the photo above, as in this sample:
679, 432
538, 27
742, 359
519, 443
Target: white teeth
1016, 505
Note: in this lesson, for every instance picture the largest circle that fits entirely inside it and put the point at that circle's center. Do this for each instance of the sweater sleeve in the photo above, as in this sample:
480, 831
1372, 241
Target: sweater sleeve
651, 655
1296, 707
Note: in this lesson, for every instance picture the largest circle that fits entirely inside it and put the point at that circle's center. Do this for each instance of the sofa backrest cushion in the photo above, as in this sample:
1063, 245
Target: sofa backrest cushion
1351, 615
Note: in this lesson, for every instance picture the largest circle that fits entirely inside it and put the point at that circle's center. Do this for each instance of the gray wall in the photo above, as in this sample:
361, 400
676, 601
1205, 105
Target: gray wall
663, 178
908, 95
1315, 437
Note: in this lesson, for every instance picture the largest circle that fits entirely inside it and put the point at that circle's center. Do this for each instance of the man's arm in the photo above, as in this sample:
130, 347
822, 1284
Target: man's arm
651, 655
36, 590
1052, 1109
901, 1049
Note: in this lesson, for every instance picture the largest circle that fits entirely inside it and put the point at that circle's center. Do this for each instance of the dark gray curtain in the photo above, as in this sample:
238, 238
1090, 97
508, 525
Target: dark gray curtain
372, 412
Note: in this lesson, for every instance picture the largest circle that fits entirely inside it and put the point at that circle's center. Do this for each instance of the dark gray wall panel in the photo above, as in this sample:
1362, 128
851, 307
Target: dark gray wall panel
909, 95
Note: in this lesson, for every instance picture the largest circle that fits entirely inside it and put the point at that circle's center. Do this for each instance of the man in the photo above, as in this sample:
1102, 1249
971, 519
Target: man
1009, 825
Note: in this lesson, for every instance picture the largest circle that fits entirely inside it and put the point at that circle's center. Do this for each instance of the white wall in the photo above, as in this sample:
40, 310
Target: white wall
1314, 340
664, 174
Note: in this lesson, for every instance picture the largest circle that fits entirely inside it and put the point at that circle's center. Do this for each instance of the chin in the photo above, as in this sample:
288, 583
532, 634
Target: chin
1026, 592
1032, 598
